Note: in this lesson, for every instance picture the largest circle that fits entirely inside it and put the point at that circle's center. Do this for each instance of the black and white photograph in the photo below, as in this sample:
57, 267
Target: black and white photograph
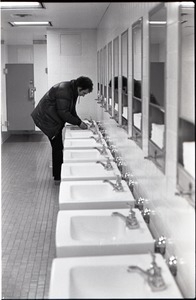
97, 173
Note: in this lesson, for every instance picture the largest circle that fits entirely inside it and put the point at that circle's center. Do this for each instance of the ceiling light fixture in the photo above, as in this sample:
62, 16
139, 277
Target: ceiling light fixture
187, 4
157, 22
21, 5
31, 23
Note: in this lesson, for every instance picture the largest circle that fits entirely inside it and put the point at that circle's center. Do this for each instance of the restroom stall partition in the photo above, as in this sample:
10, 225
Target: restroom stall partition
124, 80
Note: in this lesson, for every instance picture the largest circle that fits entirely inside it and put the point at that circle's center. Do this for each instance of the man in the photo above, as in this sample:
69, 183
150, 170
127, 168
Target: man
56, 108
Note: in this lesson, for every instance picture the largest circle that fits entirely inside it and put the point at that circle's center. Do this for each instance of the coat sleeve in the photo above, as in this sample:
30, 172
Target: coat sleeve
63, 110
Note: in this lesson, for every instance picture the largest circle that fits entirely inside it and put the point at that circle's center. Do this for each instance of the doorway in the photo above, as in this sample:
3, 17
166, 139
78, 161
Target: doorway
20, 97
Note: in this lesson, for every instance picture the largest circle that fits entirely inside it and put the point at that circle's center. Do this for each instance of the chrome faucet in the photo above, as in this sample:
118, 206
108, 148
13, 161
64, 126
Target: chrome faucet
130, 221
94, 131
118, 187
153, 275
107, 166
102, 150
98, 139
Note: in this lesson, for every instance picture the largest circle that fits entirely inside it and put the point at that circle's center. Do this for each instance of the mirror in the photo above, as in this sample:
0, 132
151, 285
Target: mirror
124, 72
110, 78
137, 63
101, 75
105, 77
186, 123
116, 77
157, 78
98, 75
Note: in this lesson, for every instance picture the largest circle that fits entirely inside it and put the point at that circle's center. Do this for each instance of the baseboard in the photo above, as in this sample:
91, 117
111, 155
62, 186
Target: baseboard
4, 136
24, 132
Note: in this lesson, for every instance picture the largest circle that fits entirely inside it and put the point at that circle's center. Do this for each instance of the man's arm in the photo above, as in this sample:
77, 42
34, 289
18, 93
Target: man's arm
63, 110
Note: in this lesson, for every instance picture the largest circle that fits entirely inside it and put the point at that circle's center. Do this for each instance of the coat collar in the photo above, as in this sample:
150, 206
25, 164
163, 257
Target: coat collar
74, 88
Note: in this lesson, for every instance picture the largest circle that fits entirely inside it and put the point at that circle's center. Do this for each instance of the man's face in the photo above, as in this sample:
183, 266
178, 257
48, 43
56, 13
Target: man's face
82, 92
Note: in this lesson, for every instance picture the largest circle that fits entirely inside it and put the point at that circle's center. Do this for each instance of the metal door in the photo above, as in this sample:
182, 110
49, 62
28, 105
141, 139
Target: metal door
20, 96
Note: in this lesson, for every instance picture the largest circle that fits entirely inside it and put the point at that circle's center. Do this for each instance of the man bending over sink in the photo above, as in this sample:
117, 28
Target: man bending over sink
56, 108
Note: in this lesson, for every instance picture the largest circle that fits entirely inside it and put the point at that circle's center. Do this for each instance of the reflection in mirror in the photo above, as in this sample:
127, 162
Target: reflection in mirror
186, 124
104, 77
98, 75
137, 54
101, 74
110, 78
116, 75
157, 59
124, 72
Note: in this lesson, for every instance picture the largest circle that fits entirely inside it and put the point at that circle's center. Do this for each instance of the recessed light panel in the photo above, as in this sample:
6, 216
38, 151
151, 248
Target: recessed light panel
31, 23
21, 5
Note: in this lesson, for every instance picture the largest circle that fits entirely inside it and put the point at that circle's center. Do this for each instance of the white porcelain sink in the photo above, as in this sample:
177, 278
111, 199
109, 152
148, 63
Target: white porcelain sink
98, 232
85, 155
94, 194
79, 134
82, 143
104, 277
87, 171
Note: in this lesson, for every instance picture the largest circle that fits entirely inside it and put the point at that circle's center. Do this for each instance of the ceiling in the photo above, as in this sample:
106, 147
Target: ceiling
71, 15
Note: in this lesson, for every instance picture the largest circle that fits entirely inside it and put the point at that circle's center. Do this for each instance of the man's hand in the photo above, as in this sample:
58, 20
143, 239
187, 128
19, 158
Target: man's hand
83, 125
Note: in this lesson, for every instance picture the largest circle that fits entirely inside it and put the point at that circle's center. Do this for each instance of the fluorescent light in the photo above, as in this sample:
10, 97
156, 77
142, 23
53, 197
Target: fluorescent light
31, 23
187, 4
157, 22
20, 5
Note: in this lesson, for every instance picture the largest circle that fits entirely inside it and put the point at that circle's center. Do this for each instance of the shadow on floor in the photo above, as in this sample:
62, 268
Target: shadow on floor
21, 138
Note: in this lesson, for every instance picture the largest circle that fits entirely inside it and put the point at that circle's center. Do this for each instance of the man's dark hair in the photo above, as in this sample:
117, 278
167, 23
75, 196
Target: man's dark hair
84, 83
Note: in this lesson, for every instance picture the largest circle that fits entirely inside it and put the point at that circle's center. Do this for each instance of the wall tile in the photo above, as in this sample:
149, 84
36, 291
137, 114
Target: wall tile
171, 215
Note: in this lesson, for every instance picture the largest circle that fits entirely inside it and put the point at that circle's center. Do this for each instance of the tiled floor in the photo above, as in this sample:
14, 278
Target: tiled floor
29, 210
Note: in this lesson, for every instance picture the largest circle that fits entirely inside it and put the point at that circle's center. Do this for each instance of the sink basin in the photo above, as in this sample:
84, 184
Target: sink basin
87, 171
82, 143
79, 134
104, 277
84, 155
87, 195
97, 232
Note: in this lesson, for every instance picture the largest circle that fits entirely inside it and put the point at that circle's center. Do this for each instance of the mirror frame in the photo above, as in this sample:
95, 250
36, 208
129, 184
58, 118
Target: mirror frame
136, 101
155, 152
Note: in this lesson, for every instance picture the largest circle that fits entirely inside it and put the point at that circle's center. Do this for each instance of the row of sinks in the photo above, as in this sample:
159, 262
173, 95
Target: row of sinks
99, 254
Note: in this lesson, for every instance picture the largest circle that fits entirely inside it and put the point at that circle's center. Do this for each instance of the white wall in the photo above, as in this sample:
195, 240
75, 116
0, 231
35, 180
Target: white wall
171, 216
40, 75
71, 63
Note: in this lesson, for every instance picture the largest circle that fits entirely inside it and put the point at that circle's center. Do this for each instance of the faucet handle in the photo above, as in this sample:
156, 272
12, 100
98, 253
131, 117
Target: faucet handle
118, 179
131, 212
130, 205
154, 269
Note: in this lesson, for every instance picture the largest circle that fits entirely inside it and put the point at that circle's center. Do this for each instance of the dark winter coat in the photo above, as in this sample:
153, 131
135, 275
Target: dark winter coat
56, 108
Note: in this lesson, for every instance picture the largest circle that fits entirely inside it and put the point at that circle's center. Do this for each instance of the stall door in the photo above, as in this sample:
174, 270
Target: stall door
20, 96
